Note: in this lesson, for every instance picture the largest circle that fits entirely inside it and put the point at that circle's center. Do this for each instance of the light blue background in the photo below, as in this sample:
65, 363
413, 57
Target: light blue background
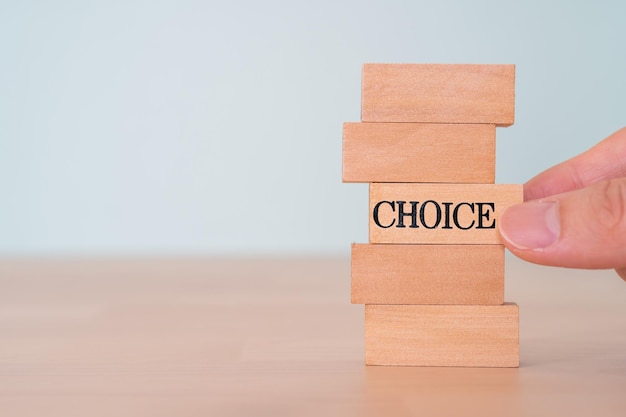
195, 127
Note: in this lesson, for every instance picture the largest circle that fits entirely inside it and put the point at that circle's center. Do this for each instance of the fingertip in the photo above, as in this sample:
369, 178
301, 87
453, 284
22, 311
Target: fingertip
622, 273
533, 225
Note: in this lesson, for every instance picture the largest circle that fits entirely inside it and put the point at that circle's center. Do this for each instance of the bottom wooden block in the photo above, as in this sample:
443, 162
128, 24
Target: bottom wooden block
442, 335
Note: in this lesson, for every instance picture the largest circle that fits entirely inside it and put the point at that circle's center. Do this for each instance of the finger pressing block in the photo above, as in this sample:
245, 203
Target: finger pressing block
439, 213
438, 93
452, 335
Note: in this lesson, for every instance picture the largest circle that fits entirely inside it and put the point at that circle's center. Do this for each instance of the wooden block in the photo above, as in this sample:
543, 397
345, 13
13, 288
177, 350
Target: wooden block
428, 274
437, 93
419, 152
422, 335
439, 213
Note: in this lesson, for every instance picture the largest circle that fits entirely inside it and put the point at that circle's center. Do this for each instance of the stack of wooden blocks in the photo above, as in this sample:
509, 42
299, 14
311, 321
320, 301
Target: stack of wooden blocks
432, 275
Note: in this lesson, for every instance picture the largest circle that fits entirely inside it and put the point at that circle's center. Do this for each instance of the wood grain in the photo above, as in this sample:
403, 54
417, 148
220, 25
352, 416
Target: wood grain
438, 93
422, 335
419, 152
276, 336
427, 274
477, 206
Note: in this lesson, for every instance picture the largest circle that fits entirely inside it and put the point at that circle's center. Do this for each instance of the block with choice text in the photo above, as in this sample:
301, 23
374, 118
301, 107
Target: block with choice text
427, 274
442, 335
419, 152
438, 93
439, 213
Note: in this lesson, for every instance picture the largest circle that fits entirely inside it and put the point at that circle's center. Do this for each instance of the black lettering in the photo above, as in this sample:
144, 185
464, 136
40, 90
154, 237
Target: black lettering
375, 213
484, 214
437, 214
455, 215
412, 213
446, 221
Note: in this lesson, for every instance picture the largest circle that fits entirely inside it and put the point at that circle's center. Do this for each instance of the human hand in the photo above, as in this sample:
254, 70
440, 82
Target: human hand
574, 214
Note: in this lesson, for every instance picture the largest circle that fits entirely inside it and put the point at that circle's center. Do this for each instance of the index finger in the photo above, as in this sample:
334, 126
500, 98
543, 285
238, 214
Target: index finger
604, 161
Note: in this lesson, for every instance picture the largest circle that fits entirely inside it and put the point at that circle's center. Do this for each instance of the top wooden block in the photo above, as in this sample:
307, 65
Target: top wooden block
438, 93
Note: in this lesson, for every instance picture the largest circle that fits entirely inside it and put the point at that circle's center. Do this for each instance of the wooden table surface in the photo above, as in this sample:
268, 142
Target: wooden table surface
274, 337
